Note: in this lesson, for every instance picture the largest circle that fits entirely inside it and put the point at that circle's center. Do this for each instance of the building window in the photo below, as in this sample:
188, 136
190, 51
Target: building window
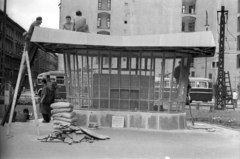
238, 24
238, 61
109, 4
99, 22
191, 9
99, 3
238, 43
238, 6
108, 22
191, 27
215, 64
192, 62
183, 26
192, 74
183, 9
210, 76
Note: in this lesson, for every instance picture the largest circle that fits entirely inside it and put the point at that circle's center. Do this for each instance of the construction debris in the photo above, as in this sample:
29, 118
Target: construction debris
73, 134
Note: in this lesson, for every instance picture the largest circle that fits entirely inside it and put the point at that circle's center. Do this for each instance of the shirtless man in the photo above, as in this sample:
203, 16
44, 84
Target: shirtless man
36, 23
68, 24
79, 23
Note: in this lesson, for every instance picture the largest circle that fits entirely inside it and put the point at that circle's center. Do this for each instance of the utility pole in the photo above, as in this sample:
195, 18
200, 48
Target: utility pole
206, 25
221, 91
2, 53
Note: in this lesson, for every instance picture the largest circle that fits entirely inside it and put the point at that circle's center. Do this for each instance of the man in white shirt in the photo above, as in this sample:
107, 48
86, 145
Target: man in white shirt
235, 99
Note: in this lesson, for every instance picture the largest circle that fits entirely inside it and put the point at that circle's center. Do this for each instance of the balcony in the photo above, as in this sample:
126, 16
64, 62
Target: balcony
188, 24
103, 21
103, 32
188, 7
104, 4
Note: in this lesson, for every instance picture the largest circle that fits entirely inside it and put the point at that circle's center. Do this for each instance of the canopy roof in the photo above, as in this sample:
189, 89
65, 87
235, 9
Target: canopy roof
53, 40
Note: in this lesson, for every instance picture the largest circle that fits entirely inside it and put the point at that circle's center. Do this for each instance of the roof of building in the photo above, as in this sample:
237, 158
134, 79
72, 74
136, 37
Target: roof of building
197, 43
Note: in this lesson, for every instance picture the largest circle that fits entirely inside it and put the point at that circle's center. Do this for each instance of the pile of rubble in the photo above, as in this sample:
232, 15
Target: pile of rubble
65, 129
73, 134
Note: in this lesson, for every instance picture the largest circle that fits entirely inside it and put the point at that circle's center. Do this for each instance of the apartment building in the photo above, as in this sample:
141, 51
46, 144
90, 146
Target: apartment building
141, 17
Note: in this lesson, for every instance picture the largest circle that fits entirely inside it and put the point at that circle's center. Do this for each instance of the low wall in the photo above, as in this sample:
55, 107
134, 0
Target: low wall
140, 120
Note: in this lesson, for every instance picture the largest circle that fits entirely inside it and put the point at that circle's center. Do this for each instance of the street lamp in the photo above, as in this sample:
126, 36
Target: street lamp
206, 25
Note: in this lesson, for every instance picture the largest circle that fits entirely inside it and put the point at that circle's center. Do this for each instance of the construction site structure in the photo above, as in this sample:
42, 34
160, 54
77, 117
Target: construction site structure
221, 88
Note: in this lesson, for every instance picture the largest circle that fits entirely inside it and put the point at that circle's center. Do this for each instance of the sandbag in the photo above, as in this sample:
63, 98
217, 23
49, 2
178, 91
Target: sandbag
62, 110
61, 105
59, 122
68, 115
74, 119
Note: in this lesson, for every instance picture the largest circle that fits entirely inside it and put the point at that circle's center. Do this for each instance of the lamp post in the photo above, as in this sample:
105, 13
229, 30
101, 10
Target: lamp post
206, 25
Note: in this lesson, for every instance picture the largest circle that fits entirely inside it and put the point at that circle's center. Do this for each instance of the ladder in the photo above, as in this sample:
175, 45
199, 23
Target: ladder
229, 95
33, 50
24, 67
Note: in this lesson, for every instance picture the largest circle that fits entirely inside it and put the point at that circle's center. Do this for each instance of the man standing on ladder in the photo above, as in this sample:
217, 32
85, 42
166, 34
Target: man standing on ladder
28, 35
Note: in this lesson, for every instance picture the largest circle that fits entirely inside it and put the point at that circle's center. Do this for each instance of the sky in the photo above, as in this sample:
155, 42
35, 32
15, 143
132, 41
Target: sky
24, 12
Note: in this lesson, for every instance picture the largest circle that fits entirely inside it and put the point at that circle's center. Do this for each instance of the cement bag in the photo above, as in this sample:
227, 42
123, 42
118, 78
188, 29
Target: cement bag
61, 105
67, 115
59, 122
72, 120
62, 110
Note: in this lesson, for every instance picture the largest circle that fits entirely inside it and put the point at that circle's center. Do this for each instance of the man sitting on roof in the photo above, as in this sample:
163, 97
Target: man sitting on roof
68, 24
79, 23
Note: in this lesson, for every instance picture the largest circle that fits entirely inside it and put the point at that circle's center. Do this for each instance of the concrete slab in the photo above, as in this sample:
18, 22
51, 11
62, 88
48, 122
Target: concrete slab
124, 143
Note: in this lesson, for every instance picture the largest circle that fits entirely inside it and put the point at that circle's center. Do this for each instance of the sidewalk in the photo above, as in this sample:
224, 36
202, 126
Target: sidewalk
201, 141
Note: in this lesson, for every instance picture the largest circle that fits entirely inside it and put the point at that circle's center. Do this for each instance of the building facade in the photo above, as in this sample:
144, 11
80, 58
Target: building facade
10, 59
141, 17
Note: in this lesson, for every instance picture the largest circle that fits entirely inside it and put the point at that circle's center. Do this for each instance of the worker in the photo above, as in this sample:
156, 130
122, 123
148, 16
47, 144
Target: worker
235, 99
52, 85
79, 23
27, 35
68, 25
176, 75
36, 23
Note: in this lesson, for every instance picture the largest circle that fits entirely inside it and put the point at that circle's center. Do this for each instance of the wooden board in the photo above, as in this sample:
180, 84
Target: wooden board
94, 134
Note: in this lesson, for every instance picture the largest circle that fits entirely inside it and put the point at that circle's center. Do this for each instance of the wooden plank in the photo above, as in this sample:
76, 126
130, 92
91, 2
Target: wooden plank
94, 134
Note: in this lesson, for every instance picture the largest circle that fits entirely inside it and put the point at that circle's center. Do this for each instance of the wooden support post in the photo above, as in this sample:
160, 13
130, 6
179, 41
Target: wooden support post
130, 74
109, 83
140, 74
150, 84
66, 77
171, 86
88, 98
82, 74
74, 80
162, 81
99, 80
78, 80
91, 103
